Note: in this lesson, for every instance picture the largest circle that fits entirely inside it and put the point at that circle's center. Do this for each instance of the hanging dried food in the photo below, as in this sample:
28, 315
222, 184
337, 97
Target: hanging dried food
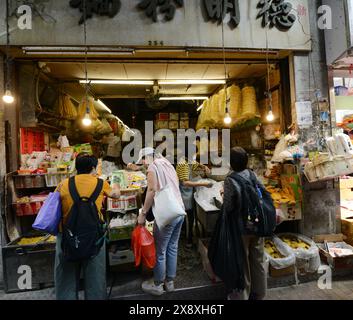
249, 105
234, 94
82, 109
67, 109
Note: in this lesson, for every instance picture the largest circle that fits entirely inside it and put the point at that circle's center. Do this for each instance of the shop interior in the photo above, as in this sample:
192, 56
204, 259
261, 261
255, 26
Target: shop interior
174, 90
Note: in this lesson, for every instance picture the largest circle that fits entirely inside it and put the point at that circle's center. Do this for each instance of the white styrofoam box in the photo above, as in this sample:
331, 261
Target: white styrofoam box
332, 146
342, 166
310, 172
326, 170
344, 144
121, 257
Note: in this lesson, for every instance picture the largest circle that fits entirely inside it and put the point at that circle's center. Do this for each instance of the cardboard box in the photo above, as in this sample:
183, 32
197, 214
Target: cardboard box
121, 257
292, 182
277, 273
346, 194
335, 262
203, 244
292, 212
161, 124
184, 124
184, 116
346, 183
162, 116
173, 125
347, 229
173, 116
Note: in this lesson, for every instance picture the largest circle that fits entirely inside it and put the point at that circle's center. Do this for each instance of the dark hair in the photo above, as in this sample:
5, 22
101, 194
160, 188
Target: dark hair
238, 159
85, 163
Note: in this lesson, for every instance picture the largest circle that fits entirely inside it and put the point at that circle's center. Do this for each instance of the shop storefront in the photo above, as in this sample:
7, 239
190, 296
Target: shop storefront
177, 67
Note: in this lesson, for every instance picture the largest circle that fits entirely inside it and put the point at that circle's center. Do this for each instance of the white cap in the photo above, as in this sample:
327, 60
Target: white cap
145, 152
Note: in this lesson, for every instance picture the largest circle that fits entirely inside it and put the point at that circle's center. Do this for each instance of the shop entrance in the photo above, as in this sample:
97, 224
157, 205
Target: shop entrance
171, 92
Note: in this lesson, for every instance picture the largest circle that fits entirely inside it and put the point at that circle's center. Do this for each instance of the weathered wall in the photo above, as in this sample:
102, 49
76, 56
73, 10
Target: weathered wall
310, 74
130, 27
2, 160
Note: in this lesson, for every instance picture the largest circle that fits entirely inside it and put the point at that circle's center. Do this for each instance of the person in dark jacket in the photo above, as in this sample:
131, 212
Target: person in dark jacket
253, 256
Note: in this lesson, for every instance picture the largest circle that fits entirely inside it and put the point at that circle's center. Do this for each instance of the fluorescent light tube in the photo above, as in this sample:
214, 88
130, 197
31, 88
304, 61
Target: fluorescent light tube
161, 51
122, 82
191, 81
104, 106
77, 53
183, 98
199, 108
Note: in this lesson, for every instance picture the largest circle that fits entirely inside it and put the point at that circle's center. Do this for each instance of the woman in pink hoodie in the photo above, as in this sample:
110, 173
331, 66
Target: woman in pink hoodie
166, 239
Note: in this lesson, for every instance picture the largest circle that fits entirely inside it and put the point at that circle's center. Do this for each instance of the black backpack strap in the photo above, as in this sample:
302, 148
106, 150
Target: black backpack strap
73, 190
97, 191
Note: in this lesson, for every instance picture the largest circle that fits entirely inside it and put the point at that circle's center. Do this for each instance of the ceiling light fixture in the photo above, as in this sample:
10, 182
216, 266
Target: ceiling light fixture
120, 82
101, 103
199, 108
161, 51
191, 81
78, 53
8, 97
182, 98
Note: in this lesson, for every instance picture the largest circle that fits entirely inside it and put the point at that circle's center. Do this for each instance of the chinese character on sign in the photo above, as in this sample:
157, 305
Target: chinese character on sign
276, 13
216, 11
101, 7
166, 7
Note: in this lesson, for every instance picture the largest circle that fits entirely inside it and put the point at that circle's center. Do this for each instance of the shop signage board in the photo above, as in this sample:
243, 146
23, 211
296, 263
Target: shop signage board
172, 23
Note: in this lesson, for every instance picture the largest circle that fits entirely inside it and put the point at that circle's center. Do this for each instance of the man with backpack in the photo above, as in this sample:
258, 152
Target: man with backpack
236, 250
80, 247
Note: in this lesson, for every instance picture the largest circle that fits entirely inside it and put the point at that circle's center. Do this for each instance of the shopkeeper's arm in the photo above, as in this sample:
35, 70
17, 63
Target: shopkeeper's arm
113, 191
188, 183
151, 191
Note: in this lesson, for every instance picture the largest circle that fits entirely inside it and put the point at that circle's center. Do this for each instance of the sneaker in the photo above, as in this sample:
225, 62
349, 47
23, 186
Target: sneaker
169, 286
150, 287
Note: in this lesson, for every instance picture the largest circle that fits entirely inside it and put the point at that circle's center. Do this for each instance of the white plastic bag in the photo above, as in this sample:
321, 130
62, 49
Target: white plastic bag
281, 263
307, 260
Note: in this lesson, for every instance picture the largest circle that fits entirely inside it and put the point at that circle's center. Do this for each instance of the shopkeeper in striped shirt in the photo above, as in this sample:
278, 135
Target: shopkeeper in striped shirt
188, 172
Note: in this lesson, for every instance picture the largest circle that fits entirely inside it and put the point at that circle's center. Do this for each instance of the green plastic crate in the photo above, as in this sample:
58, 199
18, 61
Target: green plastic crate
121, 233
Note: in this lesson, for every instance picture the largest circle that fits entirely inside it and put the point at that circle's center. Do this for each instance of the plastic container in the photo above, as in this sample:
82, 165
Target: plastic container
342, 167
121, 233
310, 172
116, 204
27, 209
53, 180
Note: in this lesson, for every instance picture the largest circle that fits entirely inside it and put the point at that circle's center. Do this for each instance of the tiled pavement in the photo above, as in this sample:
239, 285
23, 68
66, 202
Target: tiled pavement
342, 289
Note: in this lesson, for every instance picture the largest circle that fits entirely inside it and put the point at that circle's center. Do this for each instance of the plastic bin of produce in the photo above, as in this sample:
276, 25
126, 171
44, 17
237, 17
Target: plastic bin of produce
36, 257
121, 233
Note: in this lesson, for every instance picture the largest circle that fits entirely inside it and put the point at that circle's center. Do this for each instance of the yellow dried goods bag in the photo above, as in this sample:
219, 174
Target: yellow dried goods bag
69, 108
234, 94
82, 109
249, 106
208, 117
222, 101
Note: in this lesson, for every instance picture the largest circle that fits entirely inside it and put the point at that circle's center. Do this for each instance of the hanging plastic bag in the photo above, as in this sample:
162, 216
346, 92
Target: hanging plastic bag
142, 243
49, 215
226, 252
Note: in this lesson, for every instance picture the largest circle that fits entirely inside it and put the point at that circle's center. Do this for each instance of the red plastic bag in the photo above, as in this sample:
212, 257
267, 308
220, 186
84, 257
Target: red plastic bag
142, 243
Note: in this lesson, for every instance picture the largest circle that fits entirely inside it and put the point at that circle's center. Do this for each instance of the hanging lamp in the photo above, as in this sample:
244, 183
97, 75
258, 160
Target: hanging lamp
8, 98
270, 116
86, 121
